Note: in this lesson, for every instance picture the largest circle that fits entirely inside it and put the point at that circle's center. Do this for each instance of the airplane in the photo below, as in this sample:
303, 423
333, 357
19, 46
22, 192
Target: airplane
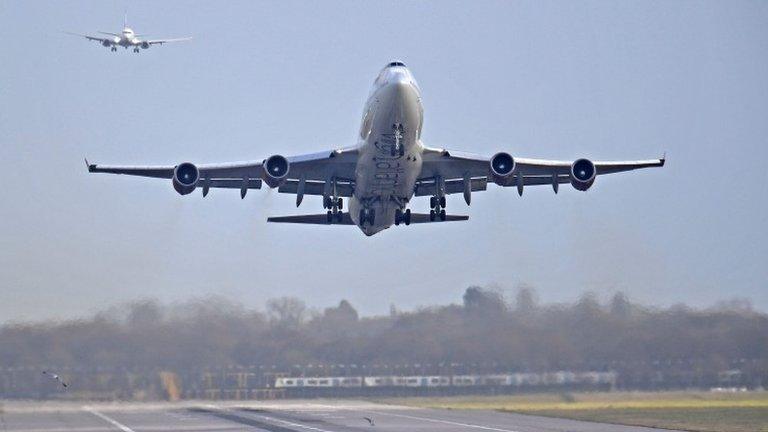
127, 38
387, 168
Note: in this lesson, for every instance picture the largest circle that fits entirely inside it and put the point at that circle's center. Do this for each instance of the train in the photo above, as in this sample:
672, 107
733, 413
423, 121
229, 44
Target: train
559, 378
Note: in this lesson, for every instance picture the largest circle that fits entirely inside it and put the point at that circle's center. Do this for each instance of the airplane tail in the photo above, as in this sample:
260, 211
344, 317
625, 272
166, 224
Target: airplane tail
125, 19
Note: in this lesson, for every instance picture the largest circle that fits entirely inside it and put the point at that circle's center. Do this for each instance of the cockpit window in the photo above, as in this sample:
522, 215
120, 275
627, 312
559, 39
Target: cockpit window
396, 63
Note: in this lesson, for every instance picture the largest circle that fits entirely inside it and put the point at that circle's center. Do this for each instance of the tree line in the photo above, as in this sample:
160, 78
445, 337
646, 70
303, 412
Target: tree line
483, 333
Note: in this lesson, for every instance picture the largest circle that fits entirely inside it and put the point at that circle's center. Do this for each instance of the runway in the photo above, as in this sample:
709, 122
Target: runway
283, 416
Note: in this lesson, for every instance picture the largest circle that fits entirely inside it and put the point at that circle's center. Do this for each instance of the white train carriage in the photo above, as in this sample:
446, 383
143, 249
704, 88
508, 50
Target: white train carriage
319, 382
467, 380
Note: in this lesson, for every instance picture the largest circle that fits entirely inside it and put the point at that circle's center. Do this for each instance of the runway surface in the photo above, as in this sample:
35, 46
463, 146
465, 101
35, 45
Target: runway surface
283, 416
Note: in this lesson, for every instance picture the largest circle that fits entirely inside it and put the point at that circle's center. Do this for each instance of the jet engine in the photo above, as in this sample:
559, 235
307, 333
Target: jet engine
185, 178
275, 170
502, 166
583, 174
145, 45
106, 43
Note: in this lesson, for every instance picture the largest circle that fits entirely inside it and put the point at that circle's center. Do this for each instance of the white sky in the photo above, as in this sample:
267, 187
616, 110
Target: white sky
605, 80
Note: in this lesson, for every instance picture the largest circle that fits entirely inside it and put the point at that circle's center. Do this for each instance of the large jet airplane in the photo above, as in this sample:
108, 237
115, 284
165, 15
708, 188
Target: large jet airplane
127, 39
385, 170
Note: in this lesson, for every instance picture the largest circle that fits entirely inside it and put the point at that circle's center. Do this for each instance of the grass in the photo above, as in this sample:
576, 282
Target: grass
692, 411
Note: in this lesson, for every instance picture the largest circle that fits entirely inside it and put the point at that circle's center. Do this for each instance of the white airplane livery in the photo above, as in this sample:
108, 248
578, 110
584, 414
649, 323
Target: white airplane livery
127, 38
387, 168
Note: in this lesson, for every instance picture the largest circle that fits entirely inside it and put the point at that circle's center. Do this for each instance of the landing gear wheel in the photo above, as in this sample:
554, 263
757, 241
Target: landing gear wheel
339, 217
442, 215
340, 203
326, 202
432, 215
442, 201
407, 217
398, 216
432, 202
330, 216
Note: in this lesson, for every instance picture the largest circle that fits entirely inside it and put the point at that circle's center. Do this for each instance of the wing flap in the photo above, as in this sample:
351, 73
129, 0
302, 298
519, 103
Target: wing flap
313, 187
454, 186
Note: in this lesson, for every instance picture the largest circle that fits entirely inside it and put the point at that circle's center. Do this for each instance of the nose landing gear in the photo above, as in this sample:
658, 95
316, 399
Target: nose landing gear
397, 148
367, 215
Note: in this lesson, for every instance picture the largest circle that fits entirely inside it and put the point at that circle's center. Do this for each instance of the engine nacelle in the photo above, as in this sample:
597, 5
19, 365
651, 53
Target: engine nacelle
145, 45
275, 170
583, 174
185, 178
502, 166
106, 43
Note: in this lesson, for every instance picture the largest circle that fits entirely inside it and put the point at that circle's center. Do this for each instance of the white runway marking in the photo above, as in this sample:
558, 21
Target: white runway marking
109, 420
285, 422
427, 419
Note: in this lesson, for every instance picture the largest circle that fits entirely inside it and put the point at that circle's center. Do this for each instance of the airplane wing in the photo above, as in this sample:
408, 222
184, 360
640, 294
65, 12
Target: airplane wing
92, 38
162, 41
458, 172
316, 168
109, 33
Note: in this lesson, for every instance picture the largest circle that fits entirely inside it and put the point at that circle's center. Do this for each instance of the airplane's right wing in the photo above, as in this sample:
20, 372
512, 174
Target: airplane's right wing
92, 38
302, 173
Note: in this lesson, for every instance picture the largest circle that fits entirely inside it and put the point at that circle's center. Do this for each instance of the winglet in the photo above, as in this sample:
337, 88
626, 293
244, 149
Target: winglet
91, 167
663, 158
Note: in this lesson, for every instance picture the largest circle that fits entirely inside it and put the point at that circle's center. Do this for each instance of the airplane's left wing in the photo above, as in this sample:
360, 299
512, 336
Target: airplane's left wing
449, 172
163, 41
335, 165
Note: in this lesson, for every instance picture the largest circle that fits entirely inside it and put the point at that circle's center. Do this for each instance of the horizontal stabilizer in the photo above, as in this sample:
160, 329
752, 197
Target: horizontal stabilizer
417, 218
322, 219
314, 219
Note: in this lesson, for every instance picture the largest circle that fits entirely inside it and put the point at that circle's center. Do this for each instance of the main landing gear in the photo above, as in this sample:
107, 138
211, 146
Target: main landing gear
113, 49
136, 50
403, 217
437, 203
335, 205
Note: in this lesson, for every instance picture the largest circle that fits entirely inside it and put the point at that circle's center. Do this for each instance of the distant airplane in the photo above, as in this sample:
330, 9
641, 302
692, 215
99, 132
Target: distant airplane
387, 167
127, 39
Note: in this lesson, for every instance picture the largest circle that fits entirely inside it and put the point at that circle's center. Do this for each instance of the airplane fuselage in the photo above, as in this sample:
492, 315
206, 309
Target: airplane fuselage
390, 153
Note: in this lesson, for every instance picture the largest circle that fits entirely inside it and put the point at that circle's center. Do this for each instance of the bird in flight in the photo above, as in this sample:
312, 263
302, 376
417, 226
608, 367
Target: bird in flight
55, 377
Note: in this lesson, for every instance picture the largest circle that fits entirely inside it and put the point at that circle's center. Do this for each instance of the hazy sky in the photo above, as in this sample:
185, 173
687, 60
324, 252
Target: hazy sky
606, 80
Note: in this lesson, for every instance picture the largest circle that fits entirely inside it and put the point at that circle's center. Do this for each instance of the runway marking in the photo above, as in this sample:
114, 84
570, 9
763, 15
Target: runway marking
251, 421
427, 419
286, 422
110, 420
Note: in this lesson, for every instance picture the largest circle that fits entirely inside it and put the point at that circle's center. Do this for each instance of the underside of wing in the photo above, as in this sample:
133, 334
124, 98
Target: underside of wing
163, 41
324, 173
